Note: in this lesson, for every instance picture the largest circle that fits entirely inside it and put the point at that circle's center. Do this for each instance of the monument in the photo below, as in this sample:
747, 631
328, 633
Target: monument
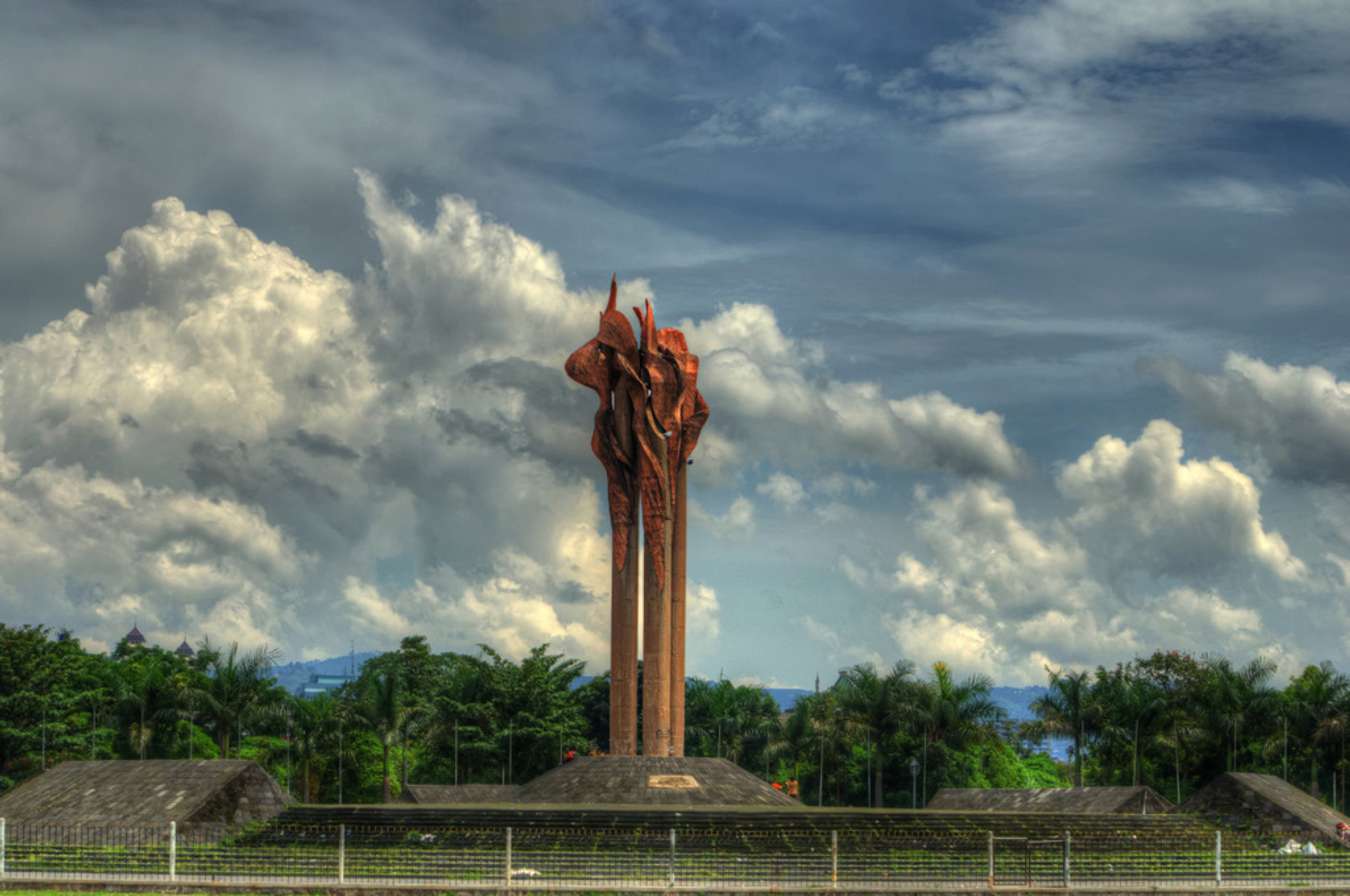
647, 425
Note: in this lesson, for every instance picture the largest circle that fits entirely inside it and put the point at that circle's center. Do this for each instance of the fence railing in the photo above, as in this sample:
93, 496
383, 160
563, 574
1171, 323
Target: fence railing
613, 859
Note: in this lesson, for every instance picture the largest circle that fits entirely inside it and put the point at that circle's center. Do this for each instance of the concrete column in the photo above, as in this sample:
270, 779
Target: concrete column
679, 553
623, 644
656, 616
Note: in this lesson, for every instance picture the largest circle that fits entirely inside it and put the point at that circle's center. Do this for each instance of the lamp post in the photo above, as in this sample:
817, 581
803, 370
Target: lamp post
913, 783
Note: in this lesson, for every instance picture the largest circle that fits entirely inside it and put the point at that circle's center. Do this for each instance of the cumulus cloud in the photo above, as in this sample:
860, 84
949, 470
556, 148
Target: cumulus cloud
236, 437
1298, 418
231, 442
990, 592
1173, 516
738, 521
773, 392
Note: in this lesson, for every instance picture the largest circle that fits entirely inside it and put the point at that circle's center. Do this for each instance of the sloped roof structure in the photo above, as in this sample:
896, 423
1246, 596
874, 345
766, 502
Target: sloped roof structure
446, 794
1060, 800
653, 781
1267, 804
131, 793
622, 781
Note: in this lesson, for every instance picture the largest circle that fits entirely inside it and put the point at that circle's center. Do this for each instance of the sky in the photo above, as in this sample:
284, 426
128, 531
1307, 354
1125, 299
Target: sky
1022, 324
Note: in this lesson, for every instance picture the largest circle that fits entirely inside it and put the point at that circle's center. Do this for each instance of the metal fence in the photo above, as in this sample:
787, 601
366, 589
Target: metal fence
629, 860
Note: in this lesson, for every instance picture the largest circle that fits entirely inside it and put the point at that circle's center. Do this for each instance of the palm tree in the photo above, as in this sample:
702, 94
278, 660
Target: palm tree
961, 711
1127, 708
1318, 698
945, 711
237, 686
874, 702
1064, 709
314, 723
1235, 696
142, 692
381, 707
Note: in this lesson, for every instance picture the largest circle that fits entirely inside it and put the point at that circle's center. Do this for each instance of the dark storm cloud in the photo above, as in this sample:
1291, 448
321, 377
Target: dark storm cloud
322, 445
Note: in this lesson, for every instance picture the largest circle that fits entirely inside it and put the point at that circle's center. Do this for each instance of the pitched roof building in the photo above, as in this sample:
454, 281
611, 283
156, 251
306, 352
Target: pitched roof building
1064, 800
448, 794
623, 781
1265, 804
130, 793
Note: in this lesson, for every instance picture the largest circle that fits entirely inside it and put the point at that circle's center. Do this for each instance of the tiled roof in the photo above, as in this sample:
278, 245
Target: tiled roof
1082, 800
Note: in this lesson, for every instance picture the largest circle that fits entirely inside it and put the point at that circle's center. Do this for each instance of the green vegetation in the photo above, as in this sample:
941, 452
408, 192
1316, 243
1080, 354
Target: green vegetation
1171, 720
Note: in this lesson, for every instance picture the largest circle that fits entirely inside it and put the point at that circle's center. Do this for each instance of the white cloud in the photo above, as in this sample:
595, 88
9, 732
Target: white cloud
229, 437
982, 553
1169, 515
792, 116
703, 614
835, 485
839, 651
854, 76
1087, 82
238, 437
783, 490
989, 592
927, 638
773, 393
1298, 418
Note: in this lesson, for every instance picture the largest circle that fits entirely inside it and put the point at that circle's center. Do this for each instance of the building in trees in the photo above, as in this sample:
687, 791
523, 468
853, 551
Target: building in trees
132, 793
1265, 804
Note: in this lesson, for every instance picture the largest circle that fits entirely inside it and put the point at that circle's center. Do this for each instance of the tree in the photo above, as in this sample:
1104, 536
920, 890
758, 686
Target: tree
1317, 699
875, 703
237, 686
951, 715
1064, 710
382, 708
314, 727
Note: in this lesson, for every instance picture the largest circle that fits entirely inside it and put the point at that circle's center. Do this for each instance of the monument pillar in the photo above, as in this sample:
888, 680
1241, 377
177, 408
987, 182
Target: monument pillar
623, 650
677, 610
648, 422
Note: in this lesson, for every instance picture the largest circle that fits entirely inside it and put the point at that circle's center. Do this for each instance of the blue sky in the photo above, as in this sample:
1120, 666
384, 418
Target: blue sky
1022, 324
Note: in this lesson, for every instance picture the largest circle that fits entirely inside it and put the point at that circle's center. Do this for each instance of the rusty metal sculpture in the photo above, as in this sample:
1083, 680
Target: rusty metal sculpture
646, 428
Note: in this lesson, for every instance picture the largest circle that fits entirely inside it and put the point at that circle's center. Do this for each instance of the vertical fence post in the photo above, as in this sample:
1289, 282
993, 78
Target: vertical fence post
834, 859
342, 853
1068, 848
672, 858
2, 847
508, 857
1218, 858
173, 850
991, 858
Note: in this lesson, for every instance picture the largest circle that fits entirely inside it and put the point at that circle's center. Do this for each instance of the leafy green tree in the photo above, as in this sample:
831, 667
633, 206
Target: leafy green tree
238, 688
876, 703
1065, 709
382, 709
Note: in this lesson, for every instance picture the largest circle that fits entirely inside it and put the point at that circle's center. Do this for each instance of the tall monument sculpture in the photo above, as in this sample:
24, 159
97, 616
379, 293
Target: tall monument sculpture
647, 425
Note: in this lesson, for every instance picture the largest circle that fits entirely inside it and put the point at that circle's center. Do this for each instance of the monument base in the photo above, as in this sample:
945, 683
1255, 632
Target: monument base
651, 781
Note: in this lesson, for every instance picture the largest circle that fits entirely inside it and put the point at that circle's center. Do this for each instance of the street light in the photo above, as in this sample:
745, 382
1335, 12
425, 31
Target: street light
913, 783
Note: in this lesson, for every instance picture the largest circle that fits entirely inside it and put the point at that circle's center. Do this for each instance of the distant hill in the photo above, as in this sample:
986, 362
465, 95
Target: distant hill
1016, 702
292, 675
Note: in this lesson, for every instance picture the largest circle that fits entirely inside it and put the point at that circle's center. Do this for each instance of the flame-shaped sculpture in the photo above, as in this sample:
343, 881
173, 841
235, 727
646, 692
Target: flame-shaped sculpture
646, 428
